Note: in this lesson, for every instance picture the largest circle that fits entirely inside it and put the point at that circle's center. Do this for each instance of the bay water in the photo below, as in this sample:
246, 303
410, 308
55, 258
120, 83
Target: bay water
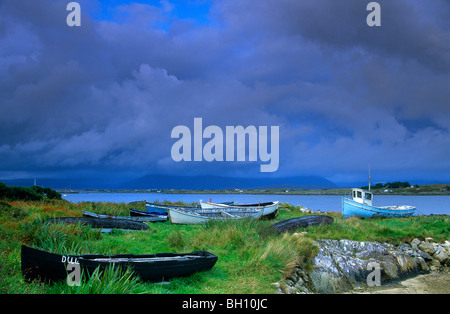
425, 204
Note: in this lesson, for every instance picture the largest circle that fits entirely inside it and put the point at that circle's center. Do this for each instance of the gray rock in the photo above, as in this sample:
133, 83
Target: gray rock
340, 265
415, 243
435, 264
427, 247
424, 255
344, 263
405, 262
446, 244
440, 255
404, 247
422, 264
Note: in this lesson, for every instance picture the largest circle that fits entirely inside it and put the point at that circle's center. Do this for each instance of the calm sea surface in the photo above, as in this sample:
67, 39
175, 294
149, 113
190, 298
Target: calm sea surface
425, 205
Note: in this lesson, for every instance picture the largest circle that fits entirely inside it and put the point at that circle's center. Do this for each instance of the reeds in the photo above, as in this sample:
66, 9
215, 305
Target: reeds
59, 238
112, 280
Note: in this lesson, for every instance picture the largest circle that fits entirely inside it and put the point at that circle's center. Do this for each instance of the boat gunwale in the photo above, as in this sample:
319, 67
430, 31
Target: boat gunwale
243, 206
218, 212
124, 258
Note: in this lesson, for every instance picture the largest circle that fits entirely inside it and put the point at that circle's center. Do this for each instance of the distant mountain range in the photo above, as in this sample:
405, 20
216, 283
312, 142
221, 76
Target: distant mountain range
221, 183
181, 182
190, 182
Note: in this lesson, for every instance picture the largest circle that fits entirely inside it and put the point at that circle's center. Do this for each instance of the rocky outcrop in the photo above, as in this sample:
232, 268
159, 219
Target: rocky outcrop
340, 265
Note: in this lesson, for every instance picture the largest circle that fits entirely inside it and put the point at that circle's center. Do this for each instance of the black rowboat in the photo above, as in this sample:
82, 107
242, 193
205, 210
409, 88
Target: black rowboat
146, 218
101, 223
140, 213
302, 222
46, 266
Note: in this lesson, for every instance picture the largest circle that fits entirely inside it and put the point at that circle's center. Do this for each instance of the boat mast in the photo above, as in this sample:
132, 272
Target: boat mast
369, 177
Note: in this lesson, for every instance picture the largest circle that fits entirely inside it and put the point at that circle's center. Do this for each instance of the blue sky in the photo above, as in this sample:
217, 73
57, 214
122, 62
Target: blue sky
195, 10
102, 99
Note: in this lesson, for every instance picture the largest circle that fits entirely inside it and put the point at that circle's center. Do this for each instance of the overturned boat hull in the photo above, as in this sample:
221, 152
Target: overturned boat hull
101, 223
143, 218
302, 222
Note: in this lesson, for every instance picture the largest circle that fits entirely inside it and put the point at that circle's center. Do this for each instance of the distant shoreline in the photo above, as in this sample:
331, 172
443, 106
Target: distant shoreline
425, 190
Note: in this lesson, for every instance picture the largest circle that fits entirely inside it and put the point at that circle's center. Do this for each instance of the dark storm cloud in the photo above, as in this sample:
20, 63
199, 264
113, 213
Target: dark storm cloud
410, 29
106, 95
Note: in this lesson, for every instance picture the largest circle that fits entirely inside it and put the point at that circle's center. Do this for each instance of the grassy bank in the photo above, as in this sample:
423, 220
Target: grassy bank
251, 255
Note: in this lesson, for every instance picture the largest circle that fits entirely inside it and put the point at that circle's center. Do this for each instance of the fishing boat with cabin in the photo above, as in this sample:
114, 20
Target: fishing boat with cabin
361, 205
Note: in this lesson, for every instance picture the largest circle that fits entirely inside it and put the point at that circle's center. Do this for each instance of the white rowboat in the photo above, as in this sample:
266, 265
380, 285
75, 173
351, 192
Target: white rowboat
269, 208
190, 217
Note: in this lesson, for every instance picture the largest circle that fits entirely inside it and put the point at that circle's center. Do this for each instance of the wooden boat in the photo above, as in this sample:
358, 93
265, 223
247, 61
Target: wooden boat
152, 215
361, 206
160, 209
269, 208
302, 222
46, 266
163, 208
188, 217
143, 218
101, 223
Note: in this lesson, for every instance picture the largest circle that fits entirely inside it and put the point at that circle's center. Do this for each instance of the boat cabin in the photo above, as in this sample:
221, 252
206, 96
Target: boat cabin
362, 196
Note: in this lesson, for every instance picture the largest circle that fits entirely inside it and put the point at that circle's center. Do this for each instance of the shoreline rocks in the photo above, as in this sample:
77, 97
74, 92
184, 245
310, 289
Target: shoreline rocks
342, 265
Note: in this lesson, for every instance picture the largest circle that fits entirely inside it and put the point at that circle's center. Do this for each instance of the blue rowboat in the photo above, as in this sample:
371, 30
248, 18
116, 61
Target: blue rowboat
156, 208
163, 209
156, 216
361, 206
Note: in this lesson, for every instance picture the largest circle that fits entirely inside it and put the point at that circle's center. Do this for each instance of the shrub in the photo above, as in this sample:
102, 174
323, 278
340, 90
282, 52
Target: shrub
48, 192
12, 212
34, 193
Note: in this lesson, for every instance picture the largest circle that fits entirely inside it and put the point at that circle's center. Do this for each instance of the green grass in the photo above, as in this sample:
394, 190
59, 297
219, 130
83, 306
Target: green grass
251, 255
394, 231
